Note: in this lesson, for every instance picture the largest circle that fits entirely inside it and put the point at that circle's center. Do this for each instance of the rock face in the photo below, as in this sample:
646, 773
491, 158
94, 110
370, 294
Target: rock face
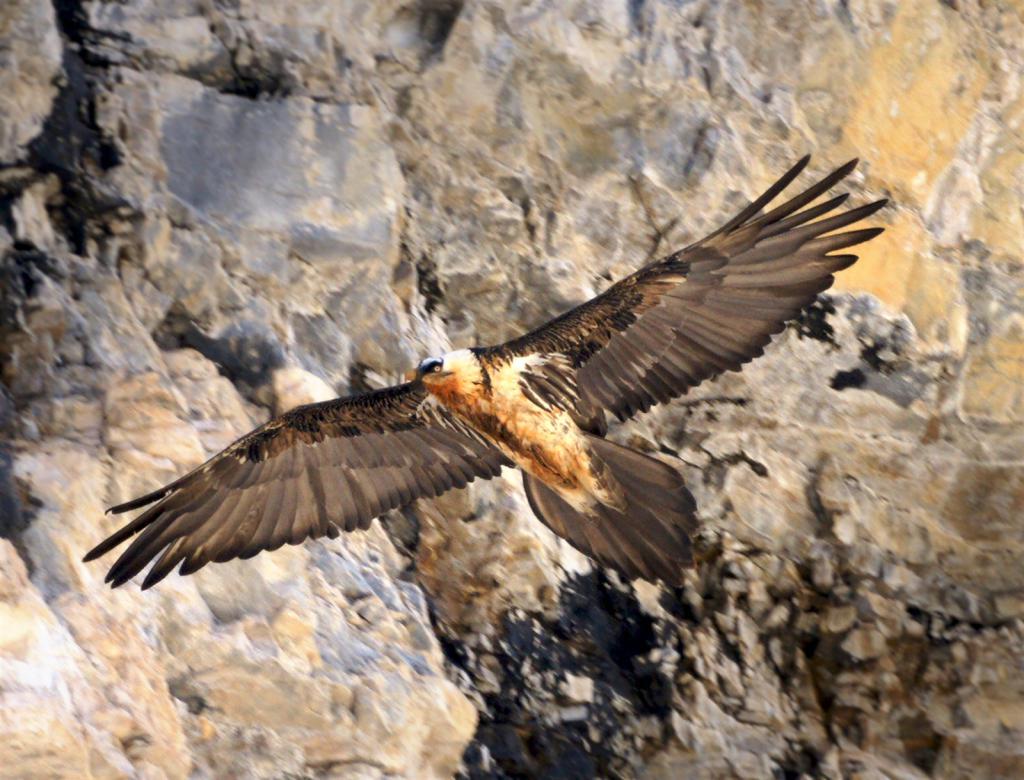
213, 211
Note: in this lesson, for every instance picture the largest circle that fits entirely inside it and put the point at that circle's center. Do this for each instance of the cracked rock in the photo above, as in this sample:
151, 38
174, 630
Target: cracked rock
210, 212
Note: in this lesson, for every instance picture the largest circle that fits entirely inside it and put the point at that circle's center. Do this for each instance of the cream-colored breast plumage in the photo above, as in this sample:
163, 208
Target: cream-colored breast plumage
508, 402
545, 442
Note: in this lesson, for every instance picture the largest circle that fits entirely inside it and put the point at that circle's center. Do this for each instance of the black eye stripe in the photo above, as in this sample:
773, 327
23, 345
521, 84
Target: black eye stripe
429, 365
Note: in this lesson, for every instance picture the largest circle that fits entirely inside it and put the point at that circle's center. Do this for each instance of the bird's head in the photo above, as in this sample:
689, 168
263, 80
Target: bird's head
429, 369
454, 372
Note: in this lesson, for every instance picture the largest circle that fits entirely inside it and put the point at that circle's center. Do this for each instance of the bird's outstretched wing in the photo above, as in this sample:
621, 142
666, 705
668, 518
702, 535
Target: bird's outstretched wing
705, 309
315, 471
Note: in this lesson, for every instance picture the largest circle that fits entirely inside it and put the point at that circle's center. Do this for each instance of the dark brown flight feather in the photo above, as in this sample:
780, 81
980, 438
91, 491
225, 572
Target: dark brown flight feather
650, 538
314, 471
705, 309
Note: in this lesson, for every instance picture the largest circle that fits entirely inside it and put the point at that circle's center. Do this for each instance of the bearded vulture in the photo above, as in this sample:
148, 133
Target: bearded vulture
538, 402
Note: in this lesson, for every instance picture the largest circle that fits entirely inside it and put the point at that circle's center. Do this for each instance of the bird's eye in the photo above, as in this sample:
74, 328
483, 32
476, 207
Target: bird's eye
436, 368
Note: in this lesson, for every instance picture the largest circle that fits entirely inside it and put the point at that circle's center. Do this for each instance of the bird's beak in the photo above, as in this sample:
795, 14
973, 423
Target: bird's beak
410, 375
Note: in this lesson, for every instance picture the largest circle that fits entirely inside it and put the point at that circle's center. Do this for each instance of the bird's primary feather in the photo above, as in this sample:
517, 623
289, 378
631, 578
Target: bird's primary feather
314, 471
705, 309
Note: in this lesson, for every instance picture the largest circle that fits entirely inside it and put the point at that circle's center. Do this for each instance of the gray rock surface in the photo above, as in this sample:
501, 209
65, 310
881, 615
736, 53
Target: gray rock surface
212, 211
30, 63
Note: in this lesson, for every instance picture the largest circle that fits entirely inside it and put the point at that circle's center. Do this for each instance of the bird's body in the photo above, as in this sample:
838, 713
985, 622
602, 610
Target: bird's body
542, 440
538, 402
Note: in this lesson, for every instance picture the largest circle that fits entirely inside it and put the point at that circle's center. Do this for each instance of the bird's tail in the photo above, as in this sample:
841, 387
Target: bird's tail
650, 538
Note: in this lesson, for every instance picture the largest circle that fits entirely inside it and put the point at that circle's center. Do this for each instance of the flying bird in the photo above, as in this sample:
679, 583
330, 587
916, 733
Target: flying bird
540, 402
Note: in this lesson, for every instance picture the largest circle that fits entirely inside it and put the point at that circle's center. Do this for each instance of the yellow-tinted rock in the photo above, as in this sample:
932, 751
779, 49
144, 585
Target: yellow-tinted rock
145, 416
998, 218
39, 743
994, 377
296, 635
861, 518
919, 98
887, 262
935, 304
898, 268
985, 502
294, 386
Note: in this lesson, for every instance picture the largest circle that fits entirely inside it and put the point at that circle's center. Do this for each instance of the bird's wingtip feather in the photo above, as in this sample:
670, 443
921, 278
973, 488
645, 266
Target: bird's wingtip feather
126, 506
874, 207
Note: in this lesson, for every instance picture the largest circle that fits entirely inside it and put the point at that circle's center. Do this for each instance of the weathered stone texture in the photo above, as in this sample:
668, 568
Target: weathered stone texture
30, 61
212, 211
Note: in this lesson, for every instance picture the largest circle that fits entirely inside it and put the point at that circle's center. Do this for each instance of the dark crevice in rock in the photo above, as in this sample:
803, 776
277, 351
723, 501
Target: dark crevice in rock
845, 16
21, 271
182, 689
871, 354
72, 20
921, 742
245, 352
436, 18
256, 80
18, 506
822, 514
883, 371
13, 517
636, 16
423, 27
71, 144
812, 322
702, 152
718, 466
803, 763
254, 85
86, 42
528, 728
427, 282
942, 628
8, 414
842, 380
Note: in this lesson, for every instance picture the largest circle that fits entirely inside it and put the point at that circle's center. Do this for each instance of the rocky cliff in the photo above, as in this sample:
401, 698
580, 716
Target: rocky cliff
211, 210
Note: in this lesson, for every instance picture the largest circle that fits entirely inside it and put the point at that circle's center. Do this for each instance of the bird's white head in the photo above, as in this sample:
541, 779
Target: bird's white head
457, 370
427, 366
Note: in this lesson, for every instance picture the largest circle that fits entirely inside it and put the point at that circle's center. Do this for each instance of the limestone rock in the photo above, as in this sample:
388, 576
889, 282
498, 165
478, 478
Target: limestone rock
213, 212
30, 64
